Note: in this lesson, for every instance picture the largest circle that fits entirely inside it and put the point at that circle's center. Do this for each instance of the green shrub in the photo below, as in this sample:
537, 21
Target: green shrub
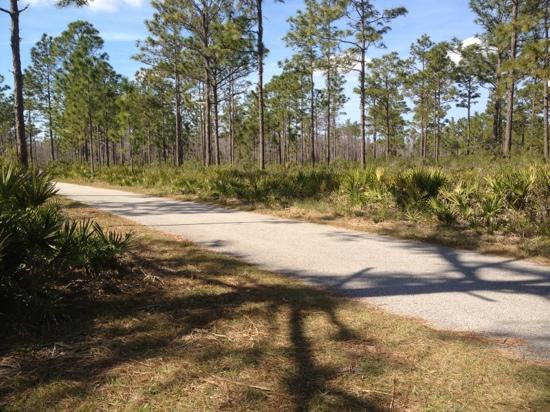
414, 188
513, 187
39, 246
492, 206
510, 194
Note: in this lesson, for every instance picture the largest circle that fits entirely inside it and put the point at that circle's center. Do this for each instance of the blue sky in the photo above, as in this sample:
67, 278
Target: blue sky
121, 23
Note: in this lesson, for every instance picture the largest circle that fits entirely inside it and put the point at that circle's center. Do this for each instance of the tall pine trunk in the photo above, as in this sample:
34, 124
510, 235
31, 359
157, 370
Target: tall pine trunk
261, 52
312, 114
497, 109
19, 107
546, 79
507, 142
216, 122
232, 120
362, 108
329, 112
208, 113
179, 143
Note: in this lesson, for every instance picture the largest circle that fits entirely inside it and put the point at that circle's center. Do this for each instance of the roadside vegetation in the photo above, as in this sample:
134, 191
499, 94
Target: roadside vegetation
187, 329
45, 256
457, 204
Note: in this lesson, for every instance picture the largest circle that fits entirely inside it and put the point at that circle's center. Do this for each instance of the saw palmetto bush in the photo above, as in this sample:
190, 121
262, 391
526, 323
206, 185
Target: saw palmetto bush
40, 248
508, 196
414, 188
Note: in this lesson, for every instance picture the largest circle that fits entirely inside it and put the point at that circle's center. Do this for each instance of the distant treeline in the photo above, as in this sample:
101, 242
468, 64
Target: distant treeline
193, 99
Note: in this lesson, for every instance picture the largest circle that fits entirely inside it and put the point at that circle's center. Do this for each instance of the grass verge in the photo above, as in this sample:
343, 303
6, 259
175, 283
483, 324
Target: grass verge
188, 329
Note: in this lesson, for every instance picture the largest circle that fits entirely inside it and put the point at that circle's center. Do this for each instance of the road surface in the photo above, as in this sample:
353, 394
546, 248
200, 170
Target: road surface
449, 288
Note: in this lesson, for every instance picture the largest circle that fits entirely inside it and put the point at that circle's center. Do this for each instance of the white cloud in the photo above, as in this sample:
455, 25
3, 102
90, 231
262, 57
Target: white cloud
41, 2
108, 6
471, 40
121, 36
456, 57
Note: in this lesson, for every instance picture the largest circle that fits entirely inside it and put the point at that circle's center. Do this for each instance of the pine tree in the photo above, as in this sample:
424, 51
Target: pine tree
384, 86
367, 26
301, 37
467, 79
42, 69
418, 85
163, 51
14, 12
511, 76
491, 15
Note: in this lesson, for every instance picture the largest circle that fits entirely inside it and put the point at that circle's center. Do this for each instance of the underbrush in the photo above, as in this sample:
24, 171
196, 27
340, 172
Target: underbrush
42, 252
506, 197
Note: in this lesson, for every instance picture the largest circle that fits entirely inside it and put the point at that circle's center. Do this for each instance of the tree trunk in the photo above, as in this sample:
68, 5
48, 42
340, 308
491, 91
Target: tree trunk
546, 131
312, 114
329, 108
91, 139
546, 80
30, 137
497, 118
423, 131
303, 141
387, 136
19, 107
261, 52
208, 112
179, 145
362, 109
232, 120
438, 127
216, 123
507, 142
50, 118
469, 131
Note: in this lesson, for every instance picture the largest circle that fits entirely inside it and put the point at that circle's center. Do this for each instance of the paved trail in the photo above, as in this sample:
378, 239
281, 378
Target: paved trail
449, 288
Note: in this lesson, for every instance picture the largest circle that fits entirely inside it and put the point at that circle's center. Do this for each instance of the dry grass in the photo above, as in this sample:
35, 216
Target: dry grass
187, 329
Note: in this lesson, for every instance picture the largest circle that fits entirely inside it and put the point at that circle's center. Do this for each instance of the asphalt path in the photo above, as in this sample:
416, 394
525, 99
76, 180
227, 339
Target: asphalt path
449, 288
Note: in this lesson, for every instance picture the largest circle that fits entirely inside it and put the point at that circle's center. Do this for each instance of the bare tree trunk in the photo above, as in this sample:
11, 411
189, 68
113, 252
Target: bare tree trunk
497, 117
362, 108
469, 132
179, 143
329, 108
91, 139
423, 131
507, 142
303, 140
50, 119
208, 113
216, 122
19, 107
232, 120
438, 128
312, 114
107, 151
30, 138
546, 131
261, 52
546, 80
